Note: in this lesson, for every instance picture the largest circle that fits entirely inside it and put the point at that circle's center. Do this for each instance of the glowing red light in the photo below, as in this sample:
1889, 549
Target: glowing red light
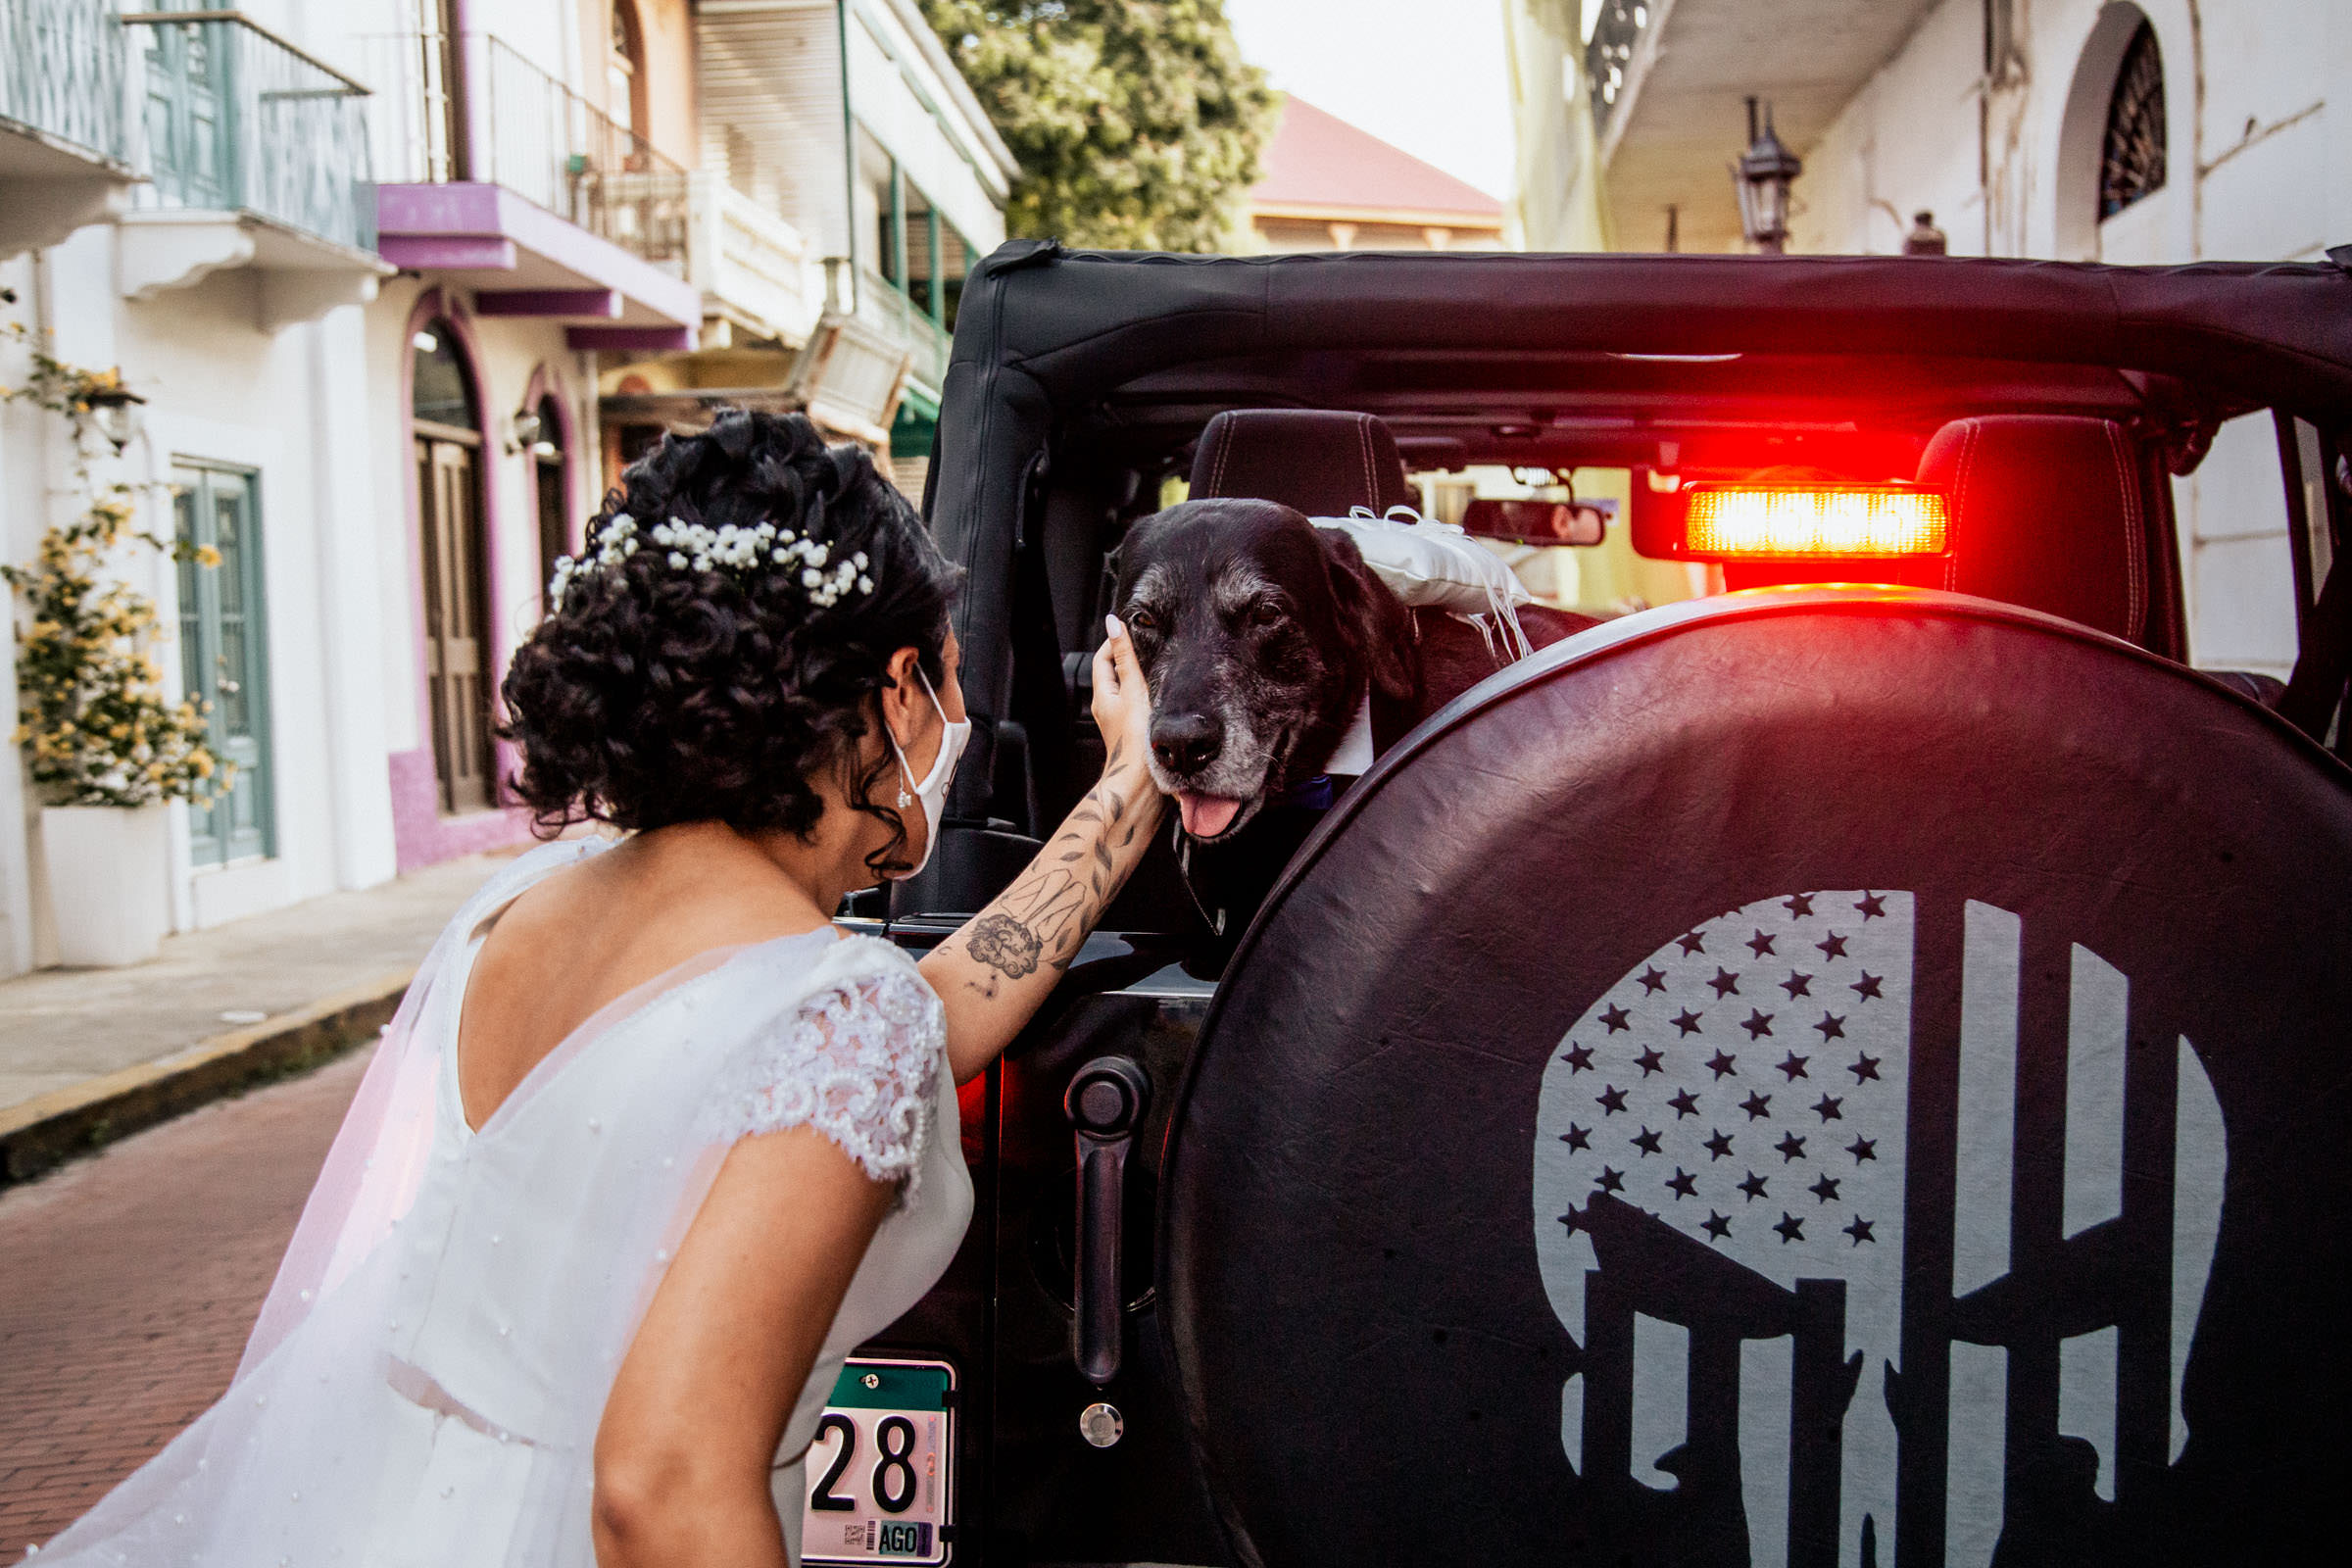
1743, 523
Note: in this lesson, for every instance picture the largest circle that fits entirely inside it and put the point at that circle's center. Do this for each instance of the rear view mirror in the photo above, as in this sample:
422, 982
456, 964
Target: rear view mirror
1539, 523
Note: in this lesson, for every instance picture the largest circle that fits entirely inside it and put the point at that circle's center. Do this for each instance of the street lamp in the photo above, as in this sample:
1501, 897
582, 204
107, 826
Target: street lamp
114, 412
1762, 178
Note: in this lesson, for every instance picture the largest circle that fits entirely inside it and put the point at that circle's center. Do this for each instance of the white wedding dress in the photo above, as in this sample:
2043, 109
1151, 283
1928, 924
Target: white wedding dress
425, 1382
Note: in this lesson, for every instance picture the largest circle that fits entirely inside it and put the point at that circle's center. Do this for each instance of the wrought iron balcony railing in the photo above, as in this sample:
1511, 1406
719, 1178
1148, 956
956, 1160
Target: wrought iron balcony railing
62, 72
526, 131
1609, 56
237, 119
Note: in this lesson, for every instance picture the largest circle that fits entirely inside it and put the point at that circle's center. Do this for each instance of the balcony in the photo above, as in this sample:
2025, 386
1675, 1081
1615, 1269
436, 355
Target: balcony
499, 178
64, 152
882, 306
255, 156
752, 268
1667, 80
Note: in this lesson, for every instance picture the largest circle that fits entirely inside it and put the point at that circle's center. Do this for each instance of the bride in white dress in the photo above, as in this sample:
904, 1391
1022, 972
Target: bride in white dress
651, 1146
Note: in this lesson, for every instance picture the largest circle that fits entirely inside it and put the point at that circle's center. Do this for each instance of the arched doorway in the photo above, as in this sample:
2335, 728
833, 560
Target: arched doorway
551, 472
445, 417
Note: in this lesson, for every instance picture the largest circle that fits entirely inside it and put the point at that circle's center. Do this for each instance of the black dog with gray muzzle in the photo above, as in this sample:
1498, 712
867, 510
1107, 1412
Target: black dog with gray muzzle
1280, 665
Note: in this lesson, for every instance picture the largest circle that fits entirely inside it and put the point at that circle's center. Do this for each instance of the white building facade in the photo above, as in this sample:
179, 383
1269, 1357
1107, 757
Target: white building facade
2138, 131
364, 259
227, 272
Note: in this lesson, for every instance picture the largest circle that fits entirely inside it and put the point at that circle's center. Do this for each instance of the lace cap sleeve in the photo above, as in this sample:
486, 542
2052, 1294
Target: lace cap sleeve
858, 1061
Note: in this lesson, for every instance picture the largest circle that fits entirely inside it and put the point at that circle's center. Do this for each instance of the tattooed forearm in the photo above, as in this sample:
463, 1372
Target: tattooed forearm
994, 974
1046, 914
1004, 944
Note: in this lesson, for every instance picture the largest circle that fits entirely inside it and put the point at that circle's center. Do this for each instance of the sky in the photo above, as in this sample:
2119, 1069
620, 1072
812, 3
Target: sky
1426, 75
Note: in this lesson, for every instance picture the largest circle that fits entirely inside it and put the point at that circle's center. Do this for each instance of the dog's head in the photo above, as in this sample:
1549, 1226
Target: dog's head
1258, 633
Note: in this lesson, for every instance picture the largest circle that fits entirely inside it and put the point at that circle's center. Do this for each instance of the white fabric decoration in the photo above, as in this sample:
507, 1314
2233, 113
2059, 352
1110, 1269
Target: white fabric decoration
1436, 565
1352, 756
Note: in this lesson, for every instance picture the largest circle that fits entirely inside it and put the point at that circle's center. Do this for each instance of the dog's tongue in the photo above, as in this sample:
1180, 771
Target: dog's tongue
1206, 815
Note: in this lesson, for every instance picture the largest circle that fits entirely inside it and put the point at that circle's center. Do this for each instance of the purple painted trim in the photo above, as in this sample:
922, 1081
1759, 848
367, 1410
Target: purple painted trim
406, 214
629, 339
420, 834
455, 207
598, 261
449, 253
601, 302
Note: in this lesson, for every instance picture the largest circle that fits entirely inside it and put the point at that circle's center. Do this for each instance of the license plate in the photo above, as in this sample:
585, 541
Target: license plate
879, 1469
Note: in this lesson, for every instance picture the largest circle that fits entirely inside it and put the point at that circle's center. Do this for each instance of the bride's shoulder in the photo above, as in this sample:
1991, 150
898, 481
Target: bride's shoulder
818, 970
829, 952
524, 871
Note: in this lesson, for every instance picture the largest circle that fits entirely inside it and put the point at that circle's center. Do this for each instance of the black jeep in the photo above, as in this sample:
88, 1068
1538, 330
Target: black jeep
1803, 1075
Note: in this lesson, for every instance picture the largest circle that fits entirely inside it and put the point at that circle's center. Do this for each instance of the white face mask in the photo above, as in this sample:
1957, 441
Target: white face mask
933, 790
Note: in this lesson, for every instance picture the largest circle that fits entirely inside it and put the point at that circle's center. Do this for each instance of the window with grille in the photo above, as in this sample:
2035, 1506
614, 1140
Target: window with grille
2132, 154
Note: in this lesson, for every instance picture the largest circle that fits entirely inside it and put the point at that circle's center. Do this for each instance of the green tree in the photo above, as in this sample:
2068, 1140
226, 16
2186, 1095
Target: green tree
1136, 122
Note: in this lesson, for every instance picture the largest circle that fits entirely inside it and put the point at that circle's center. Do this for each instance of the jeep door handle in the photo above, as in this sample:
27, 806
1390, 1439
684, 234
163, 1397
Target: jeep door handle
1106, 1105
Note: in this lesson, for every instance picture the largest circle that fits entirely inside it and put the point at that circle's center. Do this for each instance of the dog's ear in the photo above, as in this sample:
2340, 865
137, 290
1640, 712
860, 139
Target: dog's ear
1134, 553
1375, 624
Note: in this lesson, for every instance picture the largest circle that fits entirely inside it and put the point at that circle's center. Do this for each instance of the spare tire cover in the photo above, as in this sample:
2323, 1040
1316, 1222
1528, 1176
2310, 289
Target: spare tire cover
1818, 1078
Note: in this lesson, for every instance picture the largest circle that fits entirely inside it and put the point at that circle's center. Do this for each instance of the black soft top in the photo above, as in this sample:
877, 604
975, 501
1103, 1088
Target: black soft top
1049, 338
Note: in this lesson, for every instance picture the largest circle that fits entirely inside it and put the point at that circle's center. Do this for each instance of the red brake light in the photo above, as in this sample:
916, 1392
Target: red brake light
1761, 522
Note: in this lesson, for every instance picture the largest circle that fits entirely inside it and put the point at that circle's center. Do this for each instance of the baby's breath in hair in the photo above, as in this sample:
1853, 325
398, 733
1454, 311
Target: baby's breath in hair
689, 674
740, 550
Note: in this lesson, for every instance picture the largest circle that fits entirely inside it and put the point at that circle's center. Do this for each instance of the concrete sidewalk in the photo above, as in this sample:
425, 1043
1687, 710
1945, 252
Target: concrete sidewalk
88, 1054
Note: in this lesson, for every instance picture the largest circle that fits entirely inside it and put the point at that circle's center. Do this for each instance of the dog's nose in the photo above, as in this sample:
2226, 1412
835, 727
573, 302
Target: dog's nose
1186, 743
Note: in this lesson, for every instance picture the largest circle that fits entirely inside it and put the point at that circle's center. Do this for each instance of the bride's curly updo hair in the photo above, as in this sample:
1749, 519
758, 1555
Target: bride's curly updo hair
724, 637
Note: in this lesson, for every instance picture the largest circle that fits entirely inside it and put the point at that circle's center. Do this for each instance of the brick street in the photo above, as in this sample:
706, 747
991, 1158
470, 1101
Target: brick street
129, 1283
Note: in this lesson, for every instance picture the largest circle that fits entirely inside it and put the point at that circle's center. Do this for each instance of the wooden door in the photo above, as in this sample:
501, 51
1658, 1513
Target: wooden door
225, 658
440, 77
455, 632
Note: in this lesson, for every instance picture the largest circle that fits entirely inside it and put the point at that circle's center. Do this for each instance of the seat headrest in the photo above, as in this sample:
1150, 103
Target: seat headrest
2045, 513
1320, 461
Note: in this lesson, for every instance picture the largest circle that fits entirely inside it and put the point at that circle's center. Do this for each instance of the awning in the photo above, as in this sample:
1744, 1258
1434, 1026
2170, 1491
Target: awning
850, 375
915, 429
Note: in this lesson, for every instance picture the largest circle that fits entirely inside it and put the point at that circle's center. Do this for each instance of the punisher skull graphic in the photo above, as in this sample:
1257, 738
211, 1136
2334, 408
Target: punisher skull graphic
1724, 1186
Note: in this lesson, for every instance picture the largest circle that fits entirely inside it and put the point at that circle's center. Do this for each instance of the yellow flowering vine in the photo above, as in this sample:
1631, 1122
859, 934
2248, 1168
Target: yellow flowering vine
97, 728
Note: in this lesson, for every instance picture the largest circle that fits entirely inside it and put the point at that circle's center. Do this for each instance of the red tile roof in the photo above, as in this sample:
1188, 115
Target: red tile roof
1318, 165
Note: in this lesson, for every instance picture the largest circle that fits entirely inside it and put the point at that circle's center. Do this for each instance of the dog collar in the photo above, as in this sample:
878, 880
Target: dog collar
1315, 794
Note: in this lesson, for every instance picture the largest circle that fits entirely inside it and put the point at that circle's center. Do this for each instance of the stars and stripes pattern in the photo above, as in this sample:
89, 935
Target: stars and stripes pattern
1747, 1090
1746, 1085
